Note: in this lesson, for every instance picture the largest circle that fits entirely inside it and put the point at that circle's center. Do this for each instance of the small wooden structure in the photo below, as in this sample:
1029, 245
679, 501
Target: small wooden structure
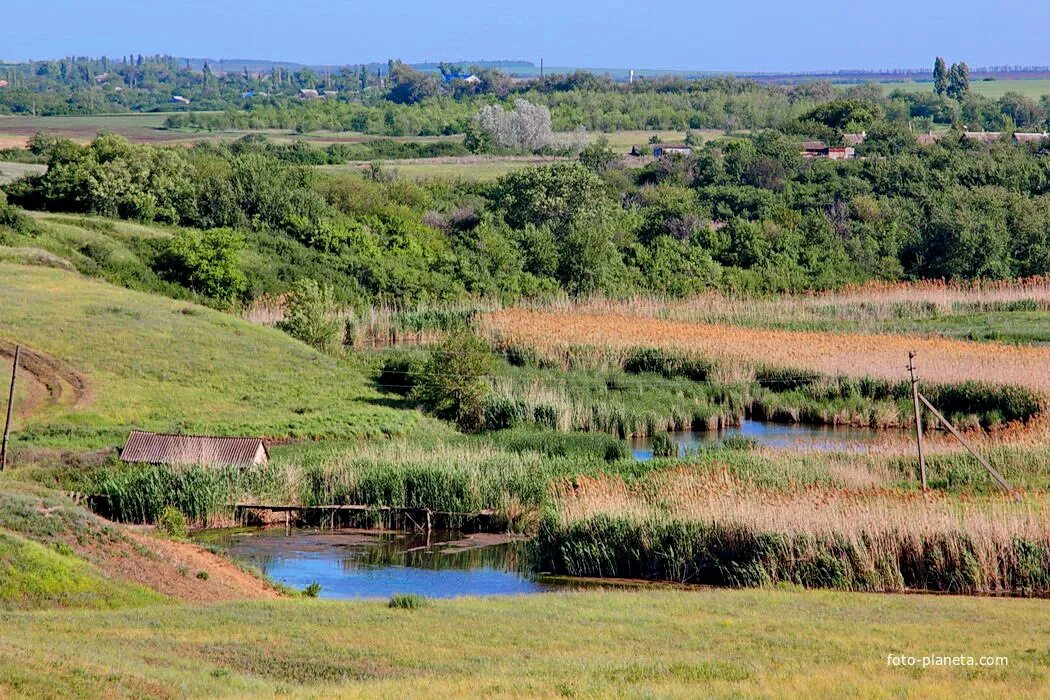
157, 448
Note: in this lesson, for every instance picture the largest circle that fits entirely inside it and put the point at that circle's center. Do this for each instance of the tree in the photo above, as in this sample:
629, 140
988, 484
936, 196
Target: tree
940, 76
598, 156
525, 128
958, 81
558, 195
452, 383
206, 262
310, 315
409, 85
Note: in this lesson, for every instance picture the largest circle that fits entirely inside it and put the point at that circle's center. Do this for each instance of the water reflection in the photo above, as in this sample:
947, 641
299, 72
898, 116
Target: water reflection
358, 564
782, 435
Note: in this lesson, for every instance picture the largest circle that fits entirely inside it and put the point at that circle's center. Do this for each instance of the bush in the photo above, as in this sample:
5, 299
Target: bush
313, 590
172, 522
311, 315
452, 383
663, 446
206, 262
407, 601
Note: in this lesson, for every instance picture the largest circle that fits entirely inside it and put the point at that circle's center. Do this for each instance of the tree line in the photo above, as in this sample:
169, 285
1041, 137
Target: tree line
744, 213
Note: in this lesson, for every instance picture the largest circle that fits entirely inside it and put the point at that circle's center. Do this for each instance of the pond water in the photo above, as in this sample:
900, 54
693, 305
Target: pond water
782, 435
366, 564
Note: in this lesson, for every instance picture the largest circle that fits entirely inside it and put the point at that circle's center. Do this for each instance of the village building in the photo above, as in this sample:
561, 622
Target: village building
1030, 137
309, 94
157, 448
667, 149
819, 149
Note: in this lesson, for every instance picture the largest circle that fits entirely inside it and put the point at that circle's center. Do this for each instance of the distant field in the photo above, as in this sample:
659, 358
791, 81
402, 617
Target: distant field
482, 168
993, 89
13, 171
16, 130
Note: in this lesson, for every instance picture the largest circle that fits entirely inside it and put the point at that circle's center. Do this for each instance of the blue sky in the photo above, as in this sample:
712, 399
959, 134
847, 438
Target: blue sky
760, 35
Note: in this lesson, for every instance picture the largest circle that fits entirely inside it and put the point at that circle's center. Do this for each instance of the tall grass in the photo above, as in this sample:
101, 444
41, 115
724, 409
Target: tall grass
686, 526
571, 339
204, 494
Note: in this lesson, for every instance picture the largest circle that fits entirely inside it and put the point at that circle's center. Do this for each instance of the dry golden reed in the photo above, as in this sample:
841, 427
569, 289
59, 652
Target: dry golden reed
880, 356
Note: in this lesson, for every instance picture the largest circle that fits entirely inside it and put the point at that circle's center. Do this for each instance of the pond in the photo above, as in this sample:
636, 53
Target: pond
367, 564
781, 435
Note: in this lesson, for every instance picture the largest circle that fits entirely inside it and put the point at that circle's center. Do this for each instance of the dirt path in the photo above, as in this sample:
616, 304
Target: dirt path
178, 569
43, 381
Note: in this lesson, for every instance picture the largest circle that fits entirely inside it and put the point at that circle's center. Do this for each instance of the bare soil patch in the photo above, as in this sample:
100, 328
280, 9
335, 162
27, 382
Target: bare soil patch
178, 569
45, 380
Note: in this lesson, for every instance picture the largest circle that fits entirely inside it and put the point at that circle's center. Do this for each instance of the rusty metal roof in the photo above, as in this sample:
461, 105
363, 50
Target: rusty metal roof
155, 448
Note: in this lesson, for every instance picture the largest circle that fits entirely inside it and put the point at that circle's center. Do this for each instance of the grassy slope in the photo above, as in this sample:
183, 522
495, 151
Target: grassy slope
35, 576
161, 364
595, 644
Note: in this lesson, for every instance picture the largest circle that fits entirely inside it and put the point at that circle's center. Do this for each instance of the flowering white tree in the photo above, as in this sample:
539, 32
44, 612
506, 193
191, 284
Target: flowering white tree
527, 127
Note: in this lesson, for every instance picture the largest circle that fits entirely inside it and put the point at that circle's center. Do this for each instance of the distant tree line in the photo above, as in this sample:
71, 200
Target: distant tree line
745, 213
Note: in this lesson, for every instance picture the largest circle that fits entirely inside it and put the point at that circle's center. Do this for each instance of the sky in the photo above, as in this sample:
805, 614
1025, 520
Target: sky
760, 35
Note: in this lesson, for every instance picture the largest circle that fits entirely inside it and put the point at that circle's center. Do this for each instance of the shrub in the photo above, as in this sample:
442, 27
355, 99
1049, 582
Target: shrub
452, 383
172, 522
662, 445
311, 315
313, 590
407, 601
206, 262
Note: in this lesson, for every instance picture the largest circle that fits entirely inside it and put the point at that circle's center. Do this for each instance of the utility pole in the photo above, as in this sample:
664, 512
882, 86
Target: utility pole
918, 416
10, 406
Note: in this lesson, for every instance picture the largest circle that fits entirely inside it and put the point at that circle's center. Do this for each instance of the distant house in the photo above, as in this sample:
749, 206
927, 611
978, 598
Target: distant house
929, 138
983, 136
3, 83
309, 94
819, 149
671, 149
855, 139
156, 448
1029, 137
330, 94
180, 99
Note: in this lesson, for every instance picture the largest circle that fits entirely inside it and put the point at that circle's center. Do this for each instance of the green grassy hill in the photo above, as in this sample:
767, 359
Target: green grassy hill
124, 359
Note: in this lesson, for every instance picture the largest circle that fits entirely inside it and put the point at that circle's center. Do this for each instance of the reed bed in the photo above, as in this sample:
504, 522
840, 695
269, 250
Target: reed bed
868, 308
712, 528
735, 352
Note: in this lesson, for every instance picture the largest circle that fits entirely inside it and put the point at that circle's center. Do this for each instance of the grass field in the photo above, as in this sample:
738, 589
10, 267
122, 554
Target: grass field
149, 362
993, 89
483, 168
712, 643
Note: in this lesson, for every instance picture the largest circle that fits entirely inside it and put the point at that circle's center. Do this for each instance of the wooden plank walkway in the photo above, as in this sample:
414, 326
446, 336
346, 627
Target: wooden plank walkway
425, 515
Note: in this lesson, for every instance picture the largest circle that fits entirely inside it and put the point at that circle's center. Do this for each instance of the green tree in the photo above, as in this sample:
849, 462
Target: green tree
940, 76
958, 81
206, 262
453, 382
311, 315
597, 155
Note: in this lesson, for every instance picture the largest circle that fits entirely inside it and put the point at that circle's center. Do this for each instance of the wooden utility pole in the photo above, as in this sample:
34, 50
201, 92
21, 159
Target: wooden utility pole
999, 478
10, 406
918, 416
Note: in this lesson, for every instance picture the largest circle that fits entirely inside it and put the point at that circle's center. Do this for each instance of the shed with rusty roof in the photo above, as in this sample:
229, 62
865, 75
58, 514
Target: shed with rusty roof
156, 448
